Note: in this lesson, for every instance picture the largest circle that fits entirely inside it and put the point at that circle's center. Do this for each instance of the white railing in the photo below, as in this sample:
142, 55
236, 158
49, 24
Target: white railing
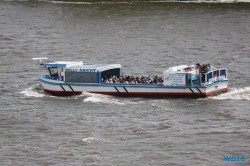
214, 76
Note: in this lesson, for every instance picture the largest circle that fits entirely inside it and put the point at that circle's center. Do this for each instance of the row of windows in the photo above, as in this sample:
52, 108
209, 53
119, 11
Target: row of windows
89, 77
216, 73
80, 77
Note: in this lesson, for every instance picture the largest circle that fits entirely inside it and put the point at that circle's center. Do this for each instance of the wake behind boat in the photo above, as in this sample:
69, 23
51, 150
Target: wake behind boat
75, 77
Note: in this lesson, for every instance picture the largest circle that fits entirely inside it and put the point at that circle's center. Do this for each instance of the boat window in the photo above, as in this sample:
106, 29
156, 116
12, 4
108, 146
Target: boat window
80, 77
216, 73
209, 75
193, 79
223, 72
53, 71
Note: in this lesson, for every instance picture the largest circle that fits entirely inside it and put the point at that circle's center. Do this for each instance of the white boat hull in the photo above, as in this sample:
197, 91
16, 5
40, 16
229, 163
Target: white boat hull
56, 87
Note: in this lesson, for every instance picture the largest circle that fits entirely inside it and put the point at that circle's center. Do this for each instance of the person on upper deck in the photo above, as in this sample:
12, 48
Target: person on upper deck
199, 67
207, 68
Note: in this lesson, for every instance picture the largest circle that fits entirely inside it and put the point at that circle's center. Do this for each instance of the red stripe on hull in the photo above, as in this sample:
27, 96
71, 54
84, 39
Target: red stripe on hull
160, 94
62, 93
217, 92
155, 94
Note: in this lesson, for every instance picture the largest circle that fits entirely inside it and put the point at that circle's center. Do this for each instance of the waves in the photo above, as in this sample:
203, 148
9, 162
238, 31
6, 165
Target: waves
90, 2
32, 92
98, 98
94, 139
36, 91
234, 94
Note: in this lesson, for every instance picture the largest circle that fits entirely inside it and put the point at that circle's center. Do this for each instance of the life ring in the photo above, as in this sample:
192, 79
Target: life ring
187, 69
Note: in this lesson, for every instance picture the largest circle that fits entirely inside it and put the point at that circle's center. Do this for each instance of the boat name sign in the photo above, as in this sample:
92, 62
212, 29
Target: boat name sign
80, 70
174, 79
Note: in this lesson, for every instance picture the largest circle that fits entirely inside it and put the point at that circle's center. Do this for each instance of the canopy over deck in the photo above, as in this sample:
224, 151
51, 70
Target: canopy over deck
63, 63
78, 66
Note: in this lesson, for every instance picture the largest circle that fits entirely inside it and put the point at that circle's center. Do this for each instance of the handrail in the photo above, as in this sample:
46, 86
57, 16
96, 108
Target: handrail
207, 78
214, 76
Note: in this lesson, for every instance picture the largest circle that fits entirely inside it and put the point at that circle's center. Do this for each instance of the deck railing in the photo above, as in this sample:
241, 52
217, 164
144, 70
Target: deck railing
214, 76
206, 78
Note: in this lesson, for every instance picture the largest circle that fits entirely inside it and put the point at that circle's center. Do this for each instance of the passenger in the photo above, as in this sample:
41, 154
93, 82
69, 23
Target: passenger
199, 67
106, 80
132, 81
156, 80
143, 79
114, 79
120, 79
208, 68
160, 80
137, 80
110, 80
203, 68
128, 78
124, 80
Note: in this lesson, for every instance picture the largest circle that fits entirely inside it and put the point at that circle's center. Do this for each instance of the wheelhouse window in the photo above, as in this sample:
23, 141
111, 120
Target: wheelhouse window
53, 71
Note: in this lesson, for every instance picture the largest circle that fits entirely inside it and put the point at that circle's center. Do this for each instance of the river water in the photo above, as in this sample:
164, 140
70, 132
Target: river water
146, 38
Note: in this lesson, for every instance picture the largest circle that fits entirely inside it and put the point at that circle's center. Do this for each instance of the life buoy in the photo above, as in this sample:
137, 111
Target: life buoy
187, 69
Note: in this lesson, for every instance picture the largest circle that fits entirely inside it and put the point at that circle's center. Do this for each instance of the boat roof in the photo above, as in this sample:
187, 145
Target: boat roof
80, 65
180, 69
63, 63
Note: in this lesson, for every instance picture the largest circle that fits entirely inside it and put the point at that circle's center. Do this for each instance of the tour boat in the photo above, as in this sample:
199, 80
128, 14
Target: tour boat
76, 77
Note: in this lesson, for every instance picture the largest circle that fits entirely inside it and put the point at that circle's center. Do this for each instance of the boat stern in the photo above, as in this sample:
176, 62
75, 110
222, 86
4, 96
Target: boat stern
216, 88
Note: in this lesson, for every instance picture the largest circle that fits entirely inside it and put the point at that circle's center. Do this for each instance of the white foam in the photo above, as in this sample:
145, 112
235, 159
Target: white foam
162, 108
98, 98
234, 94
218, 1
88, 139
33, 91
129, 2
66, 2
30, 92
93, 139
168, 123
231, 1
213, 1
